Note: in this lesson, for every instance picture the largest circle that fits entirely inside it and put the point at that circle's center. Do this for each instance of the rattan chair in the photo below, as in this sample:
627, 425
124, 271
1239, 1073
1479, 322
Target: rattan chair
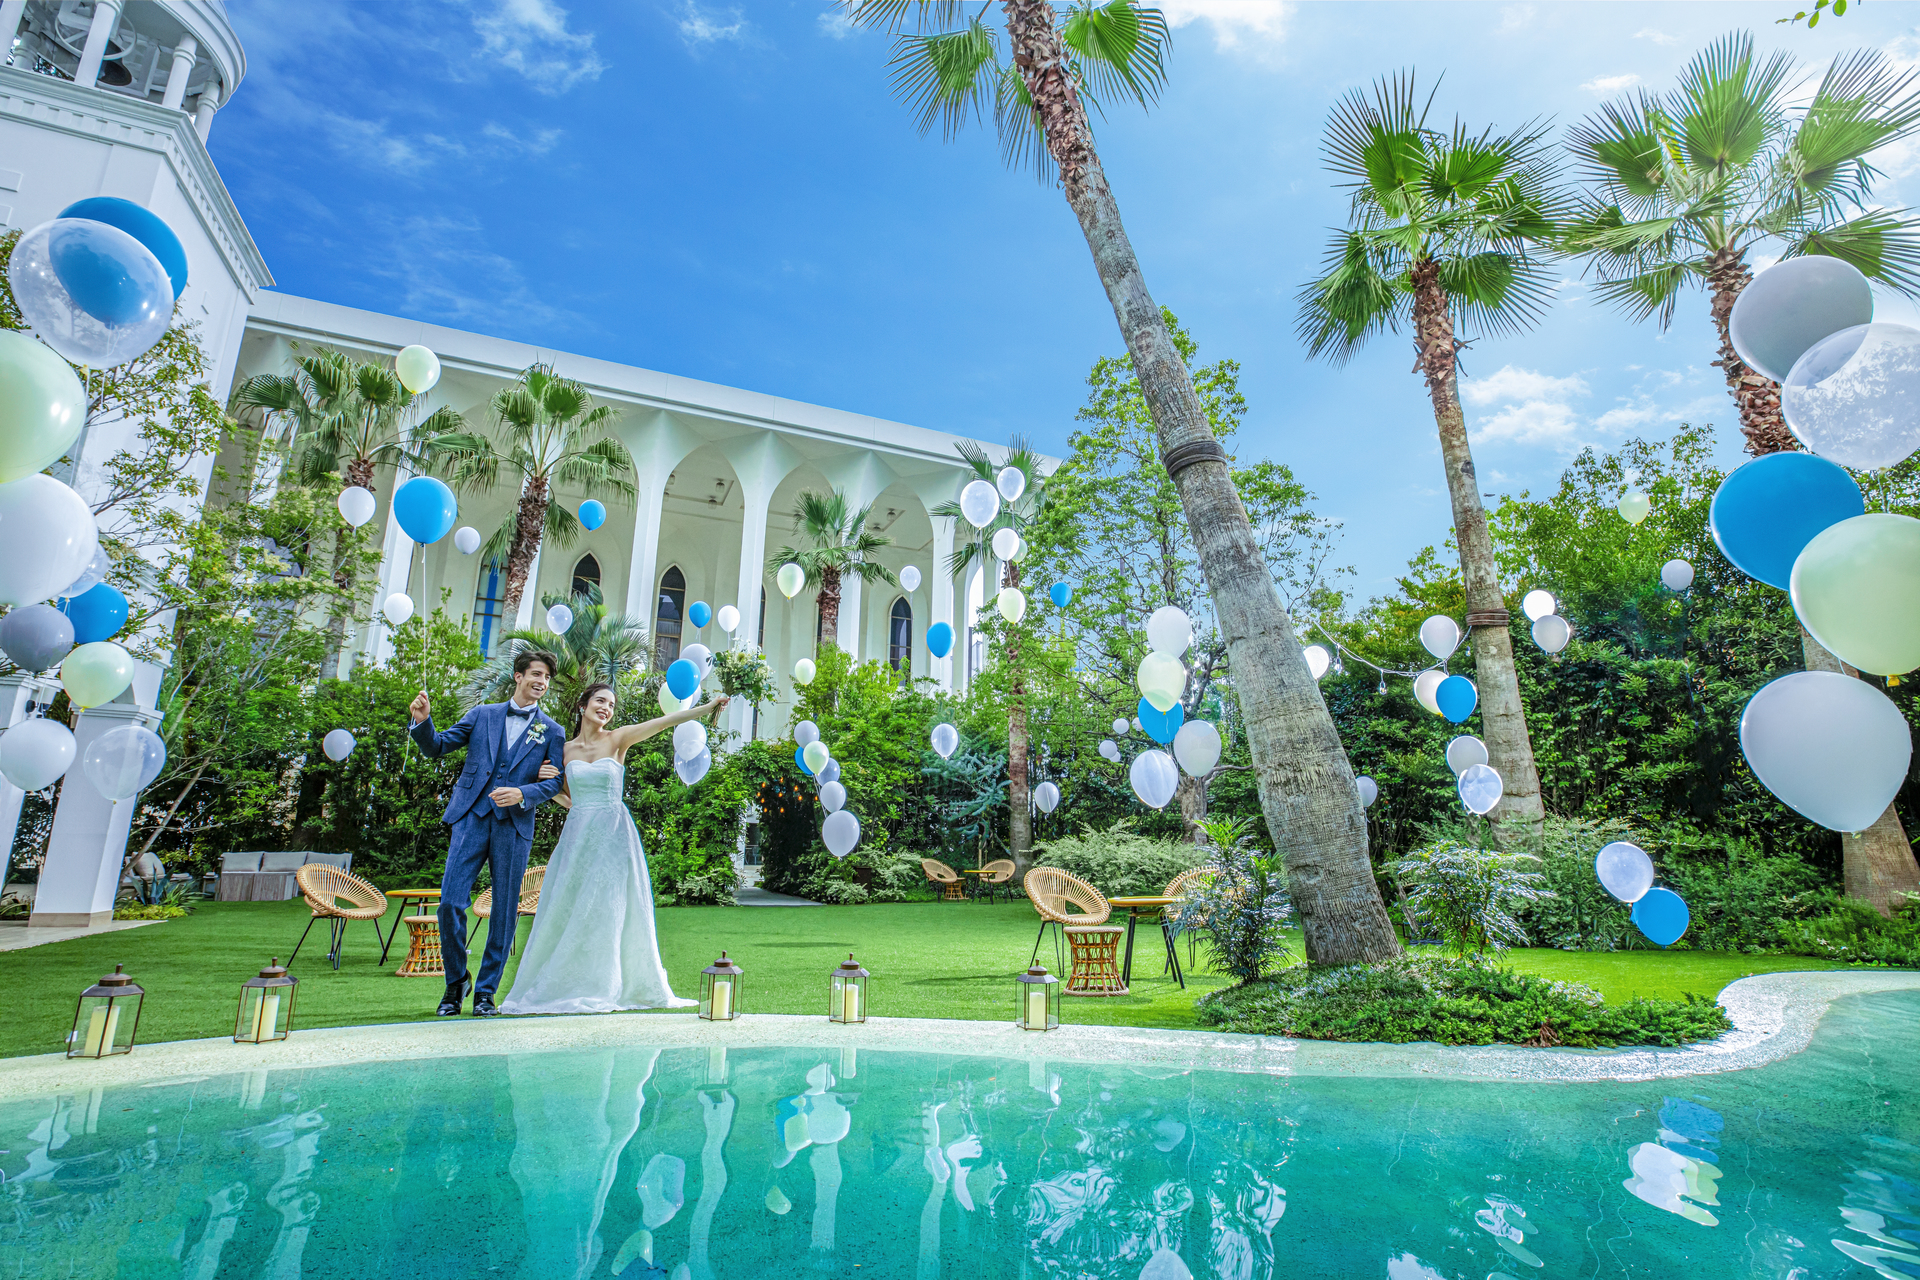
529, 903
1179, 887
324, 888
999, 873
1055, 894
944, 878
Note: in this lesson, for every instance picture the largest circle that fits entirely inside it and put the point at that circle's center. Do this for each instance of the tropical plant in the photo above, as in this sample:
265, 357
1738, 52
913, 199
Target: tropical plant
548, 433
947, 66
1683, 187
841, 547
1470, 894
1445, 228
1241, 903
598, 647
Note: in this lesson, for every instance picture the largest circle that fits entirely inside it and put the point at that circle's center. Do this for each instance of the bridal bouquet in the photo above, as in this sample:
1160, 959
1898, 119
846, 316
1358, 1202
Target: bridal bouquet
744, 673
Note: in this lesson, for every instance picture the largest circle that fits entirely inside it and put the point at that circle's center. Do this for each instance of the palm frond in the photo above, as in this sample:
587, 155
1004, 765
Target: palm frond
1119, 46
1622, 147
1352, 301
1864, 103
895, 15
1883, 244
946, 77
1726, 105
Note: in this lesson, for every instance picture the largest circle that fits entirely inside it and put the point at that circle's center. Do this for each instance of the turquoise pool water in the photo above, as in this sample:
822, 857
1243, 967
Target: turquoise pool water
689, 1165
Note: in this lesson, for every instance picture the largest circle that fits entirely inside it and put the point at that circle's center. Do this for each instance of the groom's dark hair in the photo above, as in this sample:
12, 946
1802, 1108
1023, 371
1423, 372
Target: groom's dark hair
528, 657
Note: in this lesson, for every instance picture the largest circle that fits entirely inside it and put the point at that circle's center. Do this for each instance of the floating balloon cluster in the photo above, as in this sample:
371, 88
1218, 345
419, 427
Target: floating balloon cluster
1550, 631
1625, 871
840, 832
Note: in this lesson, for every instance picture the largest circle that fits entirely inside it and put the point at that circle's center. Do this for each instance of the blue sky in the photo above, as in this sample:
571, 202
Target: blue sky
731, 193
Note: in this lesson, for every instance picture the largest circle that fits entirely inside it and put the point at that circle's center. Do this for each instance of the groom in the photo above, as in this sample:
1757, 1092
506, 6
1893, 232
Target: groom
492, 817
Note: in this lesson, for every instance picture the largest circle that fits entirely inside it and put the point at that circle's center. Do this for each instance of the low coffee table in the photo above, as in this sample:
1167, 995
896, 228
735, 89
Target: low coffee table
1150, 907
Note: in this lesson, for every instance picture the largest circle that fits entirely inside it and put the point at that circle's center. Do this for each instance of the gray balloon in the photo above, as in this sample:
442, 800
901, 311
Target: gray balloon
36, 636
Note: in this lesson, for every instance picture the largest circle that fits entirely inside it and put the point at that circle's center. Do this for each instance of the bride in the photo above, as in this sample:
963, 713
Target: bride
592, 948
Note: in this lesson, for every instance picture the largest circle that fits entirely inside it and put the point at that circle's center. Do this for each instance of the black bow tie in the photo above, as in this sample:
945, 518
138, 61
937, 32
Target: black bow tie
519, 713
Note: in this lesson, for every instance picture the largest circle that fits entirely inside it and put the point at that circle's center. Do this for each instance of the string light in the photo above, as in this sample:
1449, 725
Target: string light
1343, 651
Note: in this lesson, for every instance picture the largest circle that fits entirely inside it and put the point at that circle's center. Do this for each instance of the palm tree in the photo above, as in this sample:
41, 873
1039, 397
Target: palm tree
948, 67
550, 433
842, 547
1681, 188
1444, 226
597, 647
1013, 515
345, 416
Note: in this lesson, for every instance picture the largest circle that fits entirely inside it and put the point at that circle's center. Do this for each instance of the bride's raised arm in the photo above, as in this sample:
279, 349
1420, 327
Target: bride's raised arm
627, 735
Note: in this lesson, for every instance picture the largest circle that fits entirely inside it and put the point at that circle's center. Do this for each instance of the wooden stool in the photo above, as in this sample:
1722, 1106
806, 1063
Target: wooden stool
423, 949
953, 891
1096, 960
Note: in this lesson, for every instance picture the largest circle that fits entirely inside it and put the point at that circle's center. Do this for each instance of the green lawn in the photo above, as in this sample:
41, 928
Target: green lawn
934, 960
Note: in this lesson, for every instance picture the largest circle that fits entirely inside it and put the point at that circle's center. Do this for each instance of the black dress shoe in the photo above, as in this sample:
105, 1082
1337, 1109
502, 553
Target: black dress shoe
483, 1006
450, 1002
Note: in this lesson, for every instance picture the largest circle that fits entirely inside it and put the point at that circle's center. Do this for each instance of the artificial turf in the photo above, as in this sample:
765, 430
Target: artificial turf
929, 960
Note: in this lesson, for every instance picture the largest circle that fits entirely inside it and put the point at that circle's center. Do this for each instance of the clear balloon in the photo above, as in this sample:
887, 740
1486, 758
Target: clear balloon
1662, 915
701, 657
90, 291
466, 539
1792, 305
1455, 698
356, 505
790, 579
1162, 680
425, 508
1855, 397
694, 767
1046, 797
689, 739
805, 732
1423, 686
1634, 507
1169, 631
1676, 575
945, 740
96, 673
803, 671
36, 636
48, 534
559, 619
1766, 511
1154, 777
683, 678
1538, 604
397, 608
1369, 790
338, 745
840, 832
979, 503
143, 225
1465, 751
831, 773
1197, 747
728, 618
1318, 660
1012, 604
1829, 746
1120, 726
910, 579
1006, 544
1624, 870
1440, 636
1011, 482
1110, 749
1480, 789
833, 796
122, 762
816, 755
35, 753
1551, 633
418, 368
90, 577
1856, 588
42, 404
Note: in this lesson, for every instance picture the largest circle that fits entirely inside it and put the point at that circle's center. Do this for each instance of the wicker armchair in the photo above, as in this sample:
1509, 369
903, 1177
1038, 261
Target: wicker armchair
944, 878
999, 873
1063, 900
336, 896
1179, 887
529, 903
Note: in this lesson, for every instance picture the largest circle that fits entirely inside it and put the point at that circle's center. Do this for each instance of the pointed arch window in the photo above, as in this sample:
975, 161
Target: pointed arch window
585, 573
900, 635
666, 622
489, 592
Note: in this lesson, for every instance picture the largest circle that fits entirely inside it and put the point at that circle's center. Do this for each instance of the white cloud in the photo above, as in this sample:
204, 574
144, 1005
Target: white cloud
532, 38
704, 26
1656, 35
1516, 17
834, 23
1264, 20
1534, 422
1611, 84
1520, 384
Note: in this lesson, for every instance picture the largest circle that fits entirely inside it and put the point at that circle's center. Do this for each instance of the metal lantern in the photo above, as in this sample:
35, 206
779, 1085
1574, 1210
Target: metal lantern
847, 992
266, 1006
1037, 1006
107, 1018
720, 990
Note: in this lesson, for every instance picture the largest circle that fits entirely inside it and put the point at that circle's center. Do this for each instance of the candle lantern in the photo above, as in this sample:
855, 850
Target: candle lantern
1038, 1002
266, 1006
720, 990
847, 992
107, 1018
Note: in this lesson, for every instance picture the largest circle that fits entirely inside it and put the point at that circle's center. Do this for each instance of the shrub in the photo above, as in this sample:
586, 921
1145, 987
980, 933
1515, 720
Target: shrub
1242, 903
1452, 1001
1120, 862
1470, 894
1852, 930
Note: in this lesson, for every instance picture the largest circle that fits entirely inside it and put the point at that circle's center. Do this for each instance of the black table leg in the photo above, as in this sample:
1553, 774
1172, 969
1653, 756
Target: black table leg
1173, 952
1126, 968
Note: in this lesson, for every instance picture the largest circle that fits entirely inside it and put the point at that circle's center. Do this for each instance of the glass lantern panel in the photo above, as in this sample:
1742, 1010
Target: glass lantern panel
721, 1003
263, 1013
105, 1026
848, 1000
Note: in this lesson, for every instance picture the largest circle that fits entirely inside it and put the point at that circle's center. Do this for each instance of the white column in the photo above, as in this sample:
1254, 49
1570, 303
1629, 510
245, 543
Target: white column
847, 629
940, 587
106, 16
530, 593
89, 843
184, 54
643, 569
203, 114
12, 13
758, 497
17, 693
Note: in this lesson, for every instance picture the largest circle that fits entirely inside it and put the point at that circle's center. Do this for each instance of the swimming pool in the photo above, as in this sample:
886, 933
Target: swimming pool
688, 1164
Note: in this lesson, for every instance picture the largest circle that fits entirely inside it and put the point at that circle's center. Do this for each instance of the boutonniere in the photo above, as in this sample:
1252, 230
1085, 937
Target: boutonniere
537, 732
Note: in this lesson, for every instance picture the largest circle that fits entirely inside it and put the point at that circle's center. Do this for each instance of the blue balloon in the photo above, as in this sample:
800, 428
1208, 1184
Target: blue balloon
939, 639
97, 613
1768, 510
1060, 592
699, 614
800, 758
425, 509
1661, 914
682, 679
1456, 697
1160, 725
143, 225
101, 273
594, 514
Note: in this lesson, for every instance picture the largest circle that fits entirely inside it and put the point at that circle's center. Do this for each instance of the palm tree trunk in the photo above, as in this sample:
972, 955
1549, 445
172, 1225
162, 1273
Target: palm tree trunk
1192, 795
829, 605
1756, 395
359, 473
528, 526
1019, 750
1306, 786
1502, 715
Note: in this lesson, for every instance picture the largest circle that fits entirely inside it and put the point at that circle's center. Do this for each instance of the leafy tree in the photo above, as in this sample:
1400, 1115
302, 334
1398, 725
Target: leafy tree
1445, 228
947, 66
840, 546
598, 647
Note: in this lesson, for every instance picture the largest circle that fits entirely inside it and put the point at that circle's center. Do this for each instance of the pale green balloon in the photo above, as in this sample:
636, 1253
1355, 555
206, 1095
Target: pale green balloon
816, 755
42, 406
1856, 587
96, 673
790, 579
1012, 603
1162, 680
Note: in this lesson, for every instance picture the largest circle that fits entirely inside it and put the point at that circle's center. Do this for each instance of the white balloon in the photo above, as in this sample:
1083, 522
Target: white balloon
1423, 686
1625, 870
728, 617
805, 734
689, 739
47, 538
1012, 604
35, 752
1677, 575
910, 579
1006, 544
1791, 306
356, 505
1197, 747
1464, 752
1137, 726
1480, 788
1046, 797
1120, 727
1440, 635
1110, 749
804, 671
1834, 748
90, 577
833, 796
1011, 482
1538, 604
695, 768
338, 744
1162, 680
840, 832
1169, 631
466, 539
701, 657
397, 608
559, 619
946, 739
121, 762
1552, 633
979, 503
1854, 397
1154, 777
1369, 790
1318, 660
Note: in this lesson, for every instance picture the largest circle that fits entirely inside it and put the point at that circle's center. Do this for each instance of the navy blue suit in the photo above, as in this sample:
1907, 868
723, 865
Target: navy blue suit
484, 833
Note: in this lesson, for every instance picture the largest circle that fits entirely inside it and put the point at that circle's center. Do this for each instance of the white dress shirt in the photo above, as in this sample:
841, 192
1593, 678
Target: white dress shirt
517, 725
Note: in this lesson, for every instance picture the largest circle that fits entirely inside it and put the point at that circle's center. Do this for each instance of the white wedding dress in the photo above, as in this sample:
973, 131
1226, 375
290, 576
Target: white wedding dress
592, 948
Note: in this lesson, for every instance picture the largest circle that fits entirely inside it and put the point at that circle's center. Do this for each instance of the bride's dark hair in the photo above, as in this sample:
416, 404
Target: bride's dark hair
586, 696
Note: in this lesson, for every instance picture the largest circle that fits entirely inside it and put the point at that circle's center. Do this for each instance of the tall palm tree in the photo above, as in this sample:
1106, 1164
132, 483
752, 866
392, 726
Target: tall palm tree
338, 415
947, 65
1444, 231
842, 547
1013, 515
598, 647
549, 433
1681, 188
